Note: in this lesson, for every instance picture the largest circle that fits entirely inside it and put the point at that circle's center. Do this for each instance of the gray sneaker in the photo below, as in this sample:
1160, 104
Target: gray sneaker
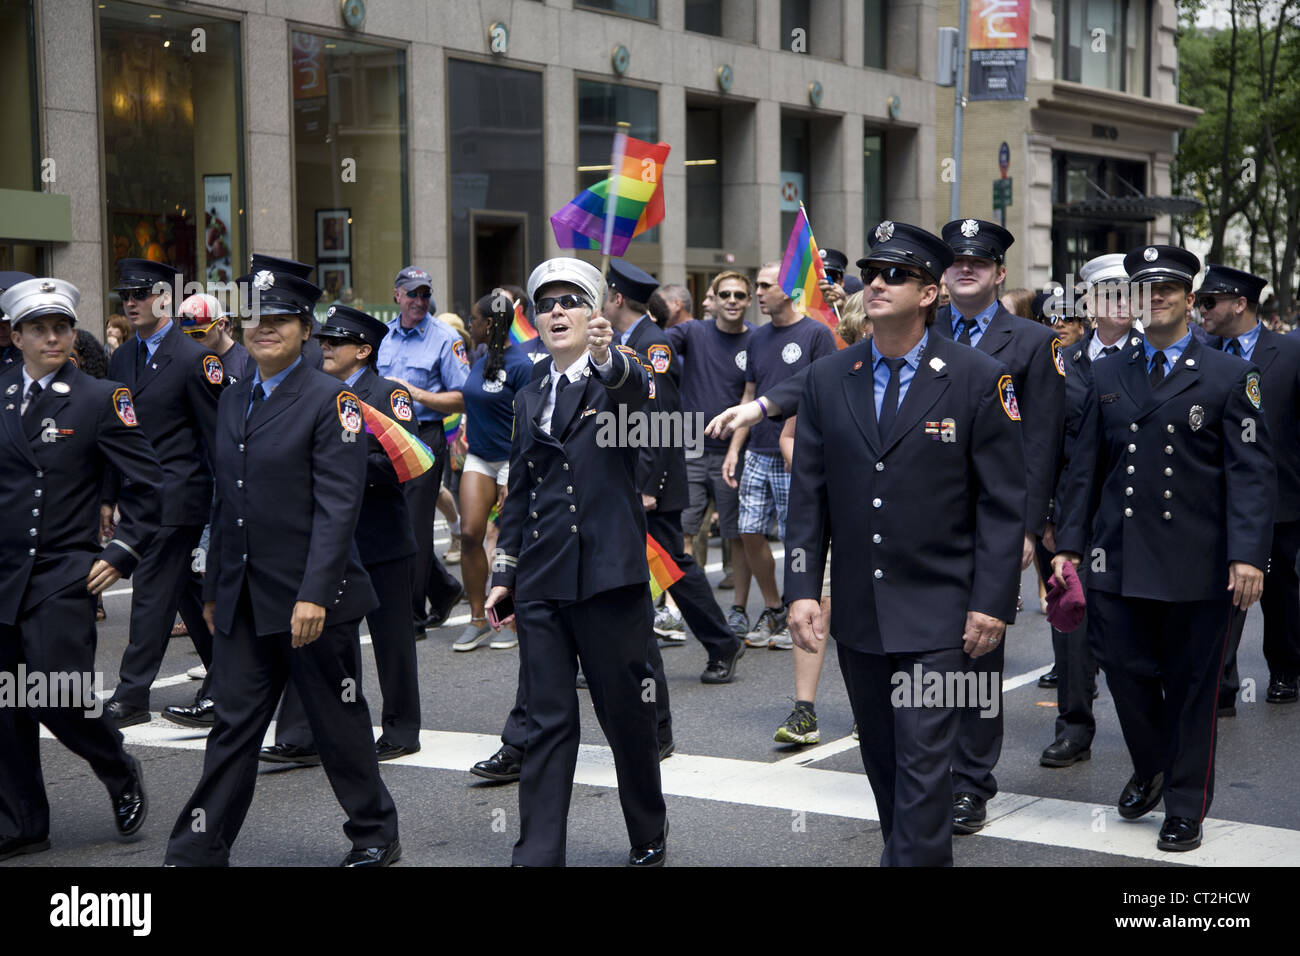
504, 639
738, 621
781, 639
768, 624
472, 636
669, 625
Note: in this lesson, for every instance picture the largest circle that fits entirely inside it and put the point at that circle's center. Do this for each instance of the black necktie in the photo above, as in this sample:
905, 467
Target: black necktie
964, 336
1158, 369
141, 358
32, 391
259, 396
1233, 347
889, 406
1110, 350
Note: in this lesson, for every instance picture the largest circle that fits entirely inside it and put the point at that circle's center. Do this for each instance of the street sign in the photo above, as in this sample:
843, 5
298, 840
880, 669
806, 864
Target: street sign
1004, 158
1001, 193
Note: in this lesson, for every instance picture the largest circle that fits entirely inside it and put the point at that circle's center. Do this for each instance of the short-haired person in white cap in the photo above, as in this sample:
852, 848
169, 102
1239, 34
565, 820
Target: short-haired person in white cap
59, 428
570, 570
1169, 494
1102, 294
1228, 301
428, 358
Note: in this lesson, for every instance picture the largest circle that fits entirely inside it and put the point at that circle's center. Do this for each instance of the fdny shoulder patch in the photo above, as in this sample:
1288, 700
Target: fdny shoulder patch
212, 369
1252, 388
660, 357
349, 409
1057, 359
1007, 396
123, 407
458, 348
400, 401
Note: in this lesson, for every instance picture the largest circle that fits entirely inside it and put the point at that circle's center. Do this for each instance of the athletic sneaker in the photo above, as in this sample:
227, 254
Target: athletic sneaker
504, 639
769, 622
781, 639
738, 621
799, 728
472, 636
668, 624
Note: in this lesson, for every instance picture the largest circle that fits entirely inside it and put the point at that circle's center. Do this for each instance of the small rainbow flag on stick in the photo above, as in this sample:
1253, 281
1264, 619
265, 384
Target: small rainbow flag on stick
801, 271
521, 330
664, 572
609, 214
451, 426
410, 457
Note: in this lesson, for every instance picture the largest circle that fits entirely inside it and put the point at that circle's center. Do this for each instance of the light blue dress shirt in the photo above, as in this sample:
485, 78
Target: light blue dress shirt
982, 320
270, 385
1172, 354
430, 355
880, 371
1246, 341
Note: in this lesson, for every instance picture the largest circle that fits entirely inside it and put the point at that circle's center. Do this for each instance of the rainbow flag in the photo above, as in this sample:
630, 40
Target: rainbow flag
664, 572
410, 456
801, 270
609, 214
451, 426
521, 330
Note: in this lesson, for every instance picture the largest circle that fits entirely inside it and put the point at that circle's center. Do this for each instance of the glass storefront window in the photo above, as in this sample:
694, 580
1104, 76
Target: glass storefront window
873, 181
350, 177
601, 106
495, 165
1104, 43
173, 142
873, 47
704, 177
19, 160
704, 16
644, 9
796, 161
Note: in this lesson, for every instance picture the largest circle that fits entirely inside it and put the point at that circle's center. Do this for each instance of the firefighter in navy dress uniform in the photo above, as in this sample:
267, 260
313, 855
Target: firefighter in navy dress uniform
1169, 497
571, 555
350, 342
285, 587
59, 429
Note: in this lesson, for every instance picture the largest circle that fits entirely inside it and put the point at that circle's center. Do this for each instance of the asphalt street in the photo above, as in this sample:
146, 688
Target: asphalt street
735, 797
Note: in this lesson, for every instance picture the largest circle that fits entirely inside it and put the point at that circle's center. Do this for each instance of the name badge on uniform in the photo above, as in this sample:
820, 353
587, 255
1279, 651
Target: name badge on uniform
1110, 397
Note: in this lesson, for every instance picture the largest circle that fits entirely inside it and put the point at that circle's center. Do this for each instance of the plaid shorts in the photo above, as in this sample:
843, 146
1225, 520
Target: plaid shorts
764, 492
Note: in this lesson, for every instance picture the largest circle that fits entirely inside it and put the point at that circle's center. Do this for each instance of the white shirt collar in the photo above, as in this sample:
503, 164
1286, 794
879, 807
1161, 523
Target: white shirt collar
45, 381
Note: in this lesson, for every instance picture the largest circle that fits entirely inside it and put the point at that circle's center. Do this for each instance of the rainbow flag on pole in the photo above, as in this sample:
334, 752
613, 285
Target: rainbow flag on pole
801, 270
609, 214
521, 330
410, 457
451, 426
664, 572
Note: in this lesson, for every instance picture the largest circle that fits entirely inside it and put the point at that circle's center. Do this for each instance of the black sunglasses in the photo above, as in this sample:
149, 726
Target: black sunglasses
567, 301
1208, 302
426, 295
732, 294
835, 275
1062, 319
138, 295
893, 275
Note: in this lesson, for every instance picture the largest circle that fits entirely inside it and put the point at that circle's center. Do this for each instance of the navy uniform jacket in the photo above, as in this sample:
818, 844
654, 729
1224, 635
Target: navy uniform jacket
384, 529
572, 525
661, 472
1033, 354
289, 491
51, 470
239, 364
1170, 484
1278, 359
176, 402
925, 527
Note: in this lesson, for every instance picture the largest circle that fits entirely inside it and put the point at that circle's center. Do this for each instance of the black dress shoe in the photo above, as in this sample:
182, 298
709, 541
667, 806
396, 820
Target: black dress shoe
723, 671
374, 856
1050, 679
131, 806
420, 632
1140, 796
1178, 834
653, 853
288, 753
666, 749
202, 714
438, 615
125, 716
1064, 752
968, 814
1281, 691
504, 766
384, 750
18, 846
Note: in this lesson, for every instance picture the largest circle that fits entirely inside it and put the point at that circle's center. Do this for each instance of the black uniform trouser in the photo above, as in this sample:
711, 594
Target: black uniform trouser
249, 675
429, 579
692, 593
1163, 661
1280, 604
163, 585
979, 736
515, 734
394, 644
56, 636
907, 752
1076, 672
606, 633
